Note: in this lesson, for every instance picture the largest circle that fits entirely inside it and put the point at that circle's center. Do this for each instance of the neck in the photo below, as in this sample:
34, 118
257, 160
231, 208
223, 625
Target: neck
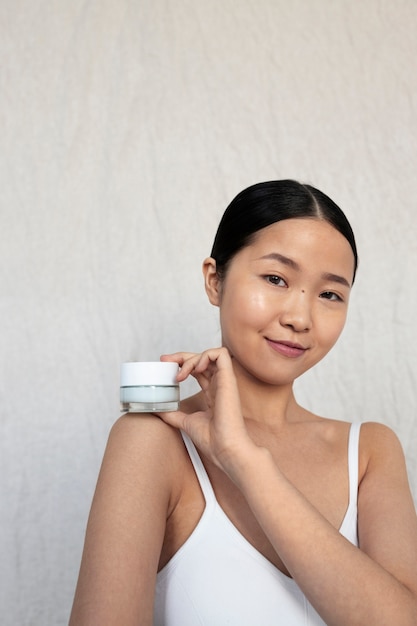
266, 404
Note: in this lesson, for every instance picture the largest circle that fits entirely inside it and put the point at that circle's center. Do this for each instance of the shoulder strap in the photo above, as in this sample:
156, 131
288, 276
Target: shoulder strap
353, 461
199, 469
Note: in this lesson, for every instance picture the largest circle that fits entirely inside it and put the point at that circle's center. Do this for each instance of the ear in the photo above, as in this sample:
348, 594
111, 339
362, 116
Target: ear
212, 281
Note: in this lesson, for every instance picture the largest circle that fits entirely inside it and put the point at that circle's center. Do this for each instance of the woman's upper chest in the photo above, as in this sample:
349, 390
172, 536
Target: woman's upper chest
316, 465
314, 460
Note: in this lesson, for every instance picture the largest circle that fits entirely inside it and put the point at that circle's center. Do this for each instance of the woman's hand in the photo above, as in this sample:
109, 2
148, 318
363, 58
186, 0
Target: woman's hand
219, 431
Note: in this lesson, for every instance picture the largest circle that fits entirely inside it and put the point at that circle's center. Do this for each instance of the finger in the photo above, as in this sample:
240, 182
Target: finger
173, 418
212, 362
201, 366
194, 364
177, 357
187, 361
193, 424
181, 358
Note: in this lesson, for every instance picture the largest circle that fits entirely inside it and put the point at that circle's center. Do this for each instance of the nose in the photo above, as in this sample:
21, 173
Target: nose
296, 313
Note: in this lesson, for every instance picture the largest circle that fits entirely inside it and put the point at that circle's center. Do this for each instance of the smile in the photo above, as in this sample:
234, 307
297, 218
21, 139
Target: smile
287, 348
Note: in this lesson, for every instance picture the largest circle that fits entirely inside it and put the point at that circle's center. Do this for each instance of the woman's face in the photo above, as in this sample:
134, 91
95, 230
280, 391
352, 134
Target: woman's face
284, 299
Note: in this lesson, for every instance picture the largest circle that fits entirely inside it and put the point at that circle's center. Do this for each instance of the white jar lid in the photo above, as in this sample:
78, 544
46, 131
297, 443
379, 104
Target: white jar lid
148, 373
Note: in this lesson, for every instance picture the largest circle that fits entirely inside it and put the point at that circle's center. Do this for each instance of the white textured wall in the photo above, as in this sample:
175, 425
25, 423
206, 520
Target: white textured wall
126, 126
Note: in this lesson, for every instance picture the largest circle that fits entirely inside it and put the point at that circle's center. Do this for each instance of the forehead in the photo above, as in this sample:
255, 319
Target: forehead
306, 241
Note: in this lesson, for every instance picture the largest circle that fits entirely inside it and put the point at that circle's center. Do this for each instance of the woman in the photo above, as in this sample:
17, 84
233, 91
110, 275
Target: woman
243, 507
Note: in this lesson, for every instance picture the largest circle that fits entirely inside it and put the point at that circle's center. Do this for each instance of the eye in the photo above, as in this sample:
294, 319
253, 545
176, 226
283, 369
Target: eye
275, 280
330, 295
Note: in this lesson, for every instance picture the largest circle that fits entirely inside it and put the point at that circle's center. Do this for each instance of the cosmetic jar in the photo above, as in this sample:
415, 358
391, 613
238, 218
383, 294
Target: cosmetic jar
149, 386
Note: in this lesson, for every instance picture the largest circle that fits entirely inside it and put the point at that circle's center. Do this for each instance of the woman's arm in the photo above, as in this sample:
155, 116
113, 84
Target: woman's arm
126, 526
373, 586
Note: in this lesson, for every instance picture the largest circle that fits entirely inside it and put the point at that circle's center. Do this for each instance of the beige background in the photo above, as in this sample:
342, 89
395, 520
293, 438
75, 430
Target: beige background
126, 127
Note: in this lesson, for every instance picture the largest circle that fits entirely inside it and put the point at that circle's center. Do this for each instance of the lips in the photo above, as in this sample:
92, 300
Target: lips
287, 348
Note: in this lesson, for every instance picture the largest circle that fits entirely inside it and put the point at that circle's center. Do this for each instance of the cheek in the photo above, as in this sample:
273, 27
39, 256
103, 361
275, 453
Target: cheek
332, 329
241, 307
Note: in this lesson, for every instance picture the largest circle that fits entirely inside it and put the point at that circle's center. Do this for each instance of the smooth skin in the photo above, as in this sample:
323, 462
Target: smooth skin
283, 304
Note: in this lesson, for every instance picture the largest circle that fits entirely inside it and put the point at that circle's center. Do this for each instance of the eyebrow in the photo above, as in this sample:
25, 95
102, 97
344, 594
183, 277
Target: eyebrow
335, 278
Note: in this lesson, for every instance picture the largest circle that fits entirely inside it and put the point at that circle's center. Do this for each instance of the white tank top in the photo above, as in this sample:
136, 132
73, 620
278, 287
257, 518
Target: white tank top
217, 578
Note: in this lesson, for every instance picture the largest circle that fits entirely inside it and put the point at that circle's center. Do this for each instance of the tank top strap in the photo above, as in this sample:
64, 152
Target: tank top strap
353, 461
199, 469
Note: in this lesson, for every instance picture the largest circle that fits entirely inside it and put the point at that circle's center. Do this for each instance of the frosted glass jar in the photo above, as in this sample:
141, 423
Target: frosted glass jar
148, 386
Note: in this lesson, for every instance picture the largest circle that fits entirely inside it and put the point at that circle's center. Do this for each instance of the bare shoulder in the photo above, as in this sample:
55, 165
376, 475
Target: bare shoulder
387, 521
378, 432
380, 446
146, 433
144, 444
382, 463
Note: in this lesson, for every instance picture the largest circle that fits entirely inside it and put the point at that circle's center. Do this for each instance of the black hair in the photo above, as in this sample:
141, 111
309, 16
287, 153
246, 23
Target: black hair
264, 204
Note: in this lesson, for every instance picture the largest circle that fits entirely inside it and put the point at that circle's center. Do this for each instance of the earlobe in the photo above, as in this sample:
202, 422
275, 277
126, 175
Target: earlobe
211, 281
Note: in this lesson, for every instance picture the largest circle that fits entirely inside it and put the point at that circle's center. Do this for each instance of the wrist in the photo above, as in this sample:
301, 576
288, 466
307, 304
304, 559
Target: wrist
243, 464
